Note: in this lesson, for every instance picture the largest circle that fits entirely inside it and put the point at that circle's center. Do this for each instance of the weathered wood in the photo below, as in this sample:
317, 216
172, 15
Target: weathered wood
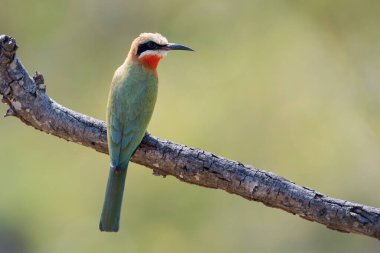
28, 101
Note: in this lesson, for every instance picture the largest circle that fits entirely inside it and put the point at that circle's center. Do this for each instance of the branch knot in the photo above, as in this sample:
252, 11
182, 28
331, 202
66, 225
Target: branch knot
8, 49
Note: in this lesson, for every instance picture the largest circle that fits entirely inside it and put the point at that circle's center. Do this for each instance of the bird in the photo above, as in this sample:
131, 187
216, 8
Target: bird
131, 102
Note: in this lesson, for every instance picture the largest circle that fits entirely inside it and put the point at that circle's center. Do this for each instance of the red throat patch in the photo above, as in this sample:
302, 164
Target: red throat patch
150, 61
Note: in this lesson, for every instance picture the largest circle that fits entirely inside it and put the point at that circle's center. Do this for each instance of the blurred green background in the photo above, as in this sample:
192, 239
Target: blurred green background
288, 86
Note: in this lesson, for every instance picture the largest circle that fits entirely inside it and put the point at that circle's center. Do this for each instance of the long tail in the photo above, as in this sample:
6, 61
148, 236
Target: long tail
109, 221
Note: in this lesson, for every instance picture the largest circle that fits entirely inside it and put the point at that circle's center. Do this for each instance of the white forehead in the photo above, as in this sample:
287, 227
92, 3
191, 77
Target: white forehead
155, 37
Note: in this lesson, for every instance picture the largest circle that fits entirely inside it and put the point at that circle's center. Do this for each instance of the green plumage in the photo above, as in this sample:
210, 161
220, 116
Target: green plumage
130, 106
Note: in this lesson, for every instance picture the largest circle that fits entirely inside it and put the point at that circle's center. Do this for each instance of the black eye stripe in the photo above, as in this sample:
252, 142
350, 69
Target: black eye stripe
149, 45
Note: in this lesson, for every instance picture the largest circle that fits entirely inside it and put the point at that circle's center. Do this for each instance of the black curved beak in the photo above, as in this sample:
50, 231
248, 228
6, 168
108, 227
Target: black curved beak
175, 46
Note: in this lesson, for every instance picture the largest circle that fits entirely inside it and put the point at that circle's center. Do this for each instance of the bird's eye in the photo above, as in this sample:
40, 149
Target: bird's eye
151, 45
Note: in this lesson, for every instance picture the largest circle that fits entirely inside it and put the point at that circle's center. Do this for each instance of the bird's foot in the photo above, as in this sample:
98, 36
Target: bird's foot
159, 173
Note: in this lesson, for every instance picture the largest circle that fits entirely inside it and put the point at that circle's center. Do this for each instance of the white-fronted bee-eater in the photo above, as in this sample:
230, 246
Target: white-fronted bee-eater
130, 106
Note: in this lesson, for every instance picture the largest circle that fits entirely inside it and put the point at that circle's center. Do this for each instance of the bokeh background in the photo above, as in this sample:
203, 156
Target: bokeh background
287, 86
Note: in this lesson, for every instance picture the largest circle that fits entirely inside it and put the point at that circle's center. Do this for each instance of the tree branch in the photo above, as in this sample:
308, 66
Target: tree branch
28, 101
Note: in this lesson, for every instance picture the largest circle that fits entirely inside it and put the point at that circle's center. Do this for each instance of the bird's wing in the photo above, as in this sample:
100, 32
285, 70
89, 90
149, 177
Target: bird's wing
114, 134
128, 117
132, 134
130, 107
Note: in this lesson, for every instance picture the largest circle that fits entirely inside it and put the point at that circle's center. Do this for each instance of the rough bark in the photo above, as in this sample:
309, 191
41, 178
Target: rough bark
28, 101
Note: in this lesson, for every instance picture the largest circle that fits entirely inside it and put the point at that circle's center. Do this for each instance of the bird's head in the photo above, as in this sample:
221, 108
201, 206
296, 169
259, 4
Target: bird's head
149, 48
